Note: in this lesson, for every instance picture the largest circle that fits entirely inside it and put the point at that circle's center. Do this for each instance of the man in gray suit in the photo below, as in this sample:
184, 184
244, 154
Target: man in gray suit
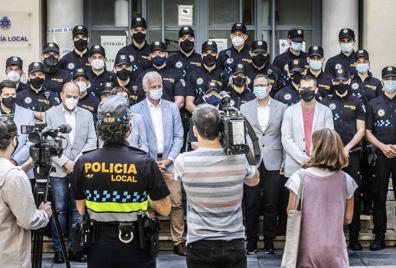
81, 138
265, 115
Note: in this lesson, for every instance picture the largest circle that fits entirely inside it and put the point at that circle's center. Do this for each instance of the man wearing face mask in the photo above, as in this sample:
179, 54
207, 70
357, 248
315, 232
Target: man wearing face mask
315, 61
198, 80
346, 58
238, 87
87, 99
14, 72
82, 138
238, 52
186, 59
290, 93
36, 97
97, 73
265, 116
78, 57
349, 115
55, 77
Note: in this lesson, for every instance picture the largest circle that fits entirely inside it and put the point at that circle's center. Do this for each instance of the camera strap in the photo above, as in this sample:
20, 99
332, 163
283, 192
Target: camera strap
253, 159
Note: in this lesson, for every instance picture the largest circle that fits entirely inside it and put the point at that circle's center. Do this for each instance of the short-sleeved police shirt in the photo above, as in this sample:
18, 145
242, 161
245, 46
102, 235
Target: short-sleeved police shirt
324, 81
72, 61
55, 81
38, 102
283, 59
140, 58
97, 80
341, 60
231, 57
184, 64
237, 99
288, 95
89, 102
366, 89
269, 70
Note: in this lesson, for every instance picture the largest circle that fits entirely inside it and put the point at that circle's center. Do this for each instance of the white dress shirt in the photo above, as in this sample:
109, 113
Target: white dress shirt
156, 119
263, 115
71, 120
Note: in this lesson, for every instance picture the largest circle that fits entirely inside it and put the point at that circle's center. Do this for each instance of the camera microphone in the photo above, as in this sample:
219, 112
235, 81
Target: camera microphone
64, 128
224, 94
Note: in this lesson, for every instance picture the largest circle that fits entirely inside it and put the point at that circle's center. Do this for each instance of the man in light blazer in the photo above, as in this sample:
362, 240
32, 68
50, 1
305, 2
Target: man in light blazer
81, 138
265, 116
164, 132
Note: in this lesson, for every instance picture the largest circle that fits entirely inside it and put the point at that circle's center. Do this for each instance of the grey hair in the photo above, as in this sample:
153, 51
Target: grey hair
150, 76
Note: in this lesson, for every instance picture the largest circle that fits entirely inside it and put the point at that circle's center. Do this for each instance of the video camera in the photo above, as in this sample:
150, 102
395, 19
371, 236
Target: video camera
234, 129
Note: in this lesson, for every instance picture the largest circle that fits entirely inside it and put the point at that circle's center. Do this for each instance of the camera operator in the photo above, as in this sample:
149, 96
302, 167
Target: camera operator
18, 213
213, 182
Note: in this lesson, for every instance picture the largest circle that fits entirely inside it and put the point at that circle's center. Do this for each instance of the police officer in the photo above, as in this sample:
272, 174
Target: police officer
315, 61
97, 73
346, 58
116, 185
55, 77
78, 57
238, 87
106, 89
87, 99
186, 59
198, 80
238, 52
349, 115
290, 93
37, 97
381, 132
14, 72
139, 50
261, 65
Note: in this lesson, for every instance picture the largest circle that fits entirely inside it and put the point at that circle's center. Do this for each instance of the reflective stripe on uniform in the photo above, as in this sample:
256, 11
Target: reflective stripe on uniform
116, 207
112, 217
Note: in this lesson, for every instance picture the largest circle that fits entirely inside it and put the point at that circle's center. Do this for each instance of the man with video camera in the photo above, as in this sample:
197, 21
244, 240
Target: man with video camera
213, 182
18, 213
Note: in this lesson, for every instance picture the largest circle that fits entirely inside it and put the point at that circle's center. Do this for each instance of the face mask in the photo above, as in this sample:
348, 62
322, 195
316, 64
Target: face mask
296, 77
341, 88
9, 102
260, 92
81, 44
238, 41
213, 100
239, 81
296, 46
97, 64
306, 94
37, 82
158, 60
13, 76
156, 94
123, 74
71, 103
209, 60
139, 37
260, 60
362, 67
187, 45
315, 65
390, 86
82, 86
51, 61
346, 47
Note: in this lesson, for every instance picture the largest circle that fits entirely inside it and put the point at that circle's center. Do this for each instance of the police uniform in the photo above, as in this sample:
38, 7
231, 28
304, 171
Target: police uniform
14, 60
89, 101
116, 182
239, 98
289, 94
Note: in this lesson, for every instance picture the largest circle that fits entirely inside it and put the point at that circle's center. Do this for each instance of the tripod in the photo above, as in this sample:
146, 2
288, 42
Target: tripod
41, 194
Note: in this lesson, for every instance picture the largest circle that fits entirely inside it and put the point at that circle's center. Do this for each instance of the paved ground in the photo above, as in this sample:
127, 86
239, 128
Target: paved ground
385, 258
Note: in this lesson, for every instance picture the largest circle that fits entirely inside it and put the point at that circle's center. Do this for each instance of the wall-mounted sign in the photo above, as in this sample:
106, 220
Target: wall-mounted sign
111, 45
15, 29
221, 43
185, 15
283, 45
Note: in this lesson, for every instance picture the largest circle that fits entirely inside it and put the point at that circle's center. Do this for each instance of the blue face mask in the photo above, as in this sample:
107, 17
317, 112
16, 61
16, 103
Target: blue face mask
260, 92
390, 86
296, 46
362, 67
158, 60
213, 100
156, 94
315, 65
346, 47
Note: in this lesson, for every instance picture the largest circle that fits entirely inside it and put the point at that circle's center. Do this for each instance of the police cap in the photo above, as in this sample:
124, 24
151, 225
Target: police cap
122, 59
14, 60
296, 35
157, 45
259, 46
80, 29
209, 45
80, 72
315, 51
213, 86
239, 26
362, 53
239, 68
113, 110
97, 49
51, 47
389, 71
186, 30
296, 65
341, 74
138, 21
36, 67
106, 87
346, 33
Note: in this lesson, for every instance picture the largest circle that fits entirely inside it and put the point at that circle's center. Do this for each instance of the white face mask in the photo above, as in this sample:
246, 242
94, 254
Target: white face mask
97, 64
13, 76
156, 94
237, 41
71, 103
82, 86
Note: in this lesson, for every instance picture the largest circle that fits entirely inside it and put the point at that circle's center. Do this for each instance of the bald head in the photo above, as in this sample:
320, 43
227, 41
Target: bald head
70, 90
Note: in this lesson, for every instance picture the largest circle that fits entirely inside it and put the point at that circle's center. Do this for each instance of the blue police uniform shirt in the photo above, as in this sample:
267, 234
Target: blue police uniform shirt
89, 102
325, 84
136, 93
366, 89
55, 81
271, 71
341, 60
21, 86
97, 80
38, 102
237, 99
283, 59
72, 61
288, 95
230, 57
184, 64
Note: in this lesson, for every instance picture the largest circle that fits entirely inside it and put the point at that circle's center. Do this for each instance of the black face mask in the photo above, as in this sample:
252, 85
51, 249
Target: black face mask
9, 102
37, 82
296, 78
209, 60
81, 44
260, 60
239, 81
306, 94
51, 61
139, 37
187, 45
341, 88
123, 74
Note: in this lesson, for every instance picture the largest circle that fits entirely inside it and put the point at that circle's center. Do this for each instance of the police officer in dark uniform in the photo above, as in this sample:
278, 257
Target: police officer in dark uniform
78, 57
315, 61
349, 115
261, 65
14, 72
238, 52
87, 99
139, 50
97, 73
346, 58
186, 59
55, 77
238, 86
36, 97
198, 80
106, 89
290, 93
115, 186
381, 132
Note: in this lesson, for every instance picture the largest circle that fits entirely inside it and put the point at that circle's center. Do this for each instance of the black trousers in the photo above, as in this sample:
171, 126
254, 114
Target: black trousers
262, 198
383, 170
353, 170
367, 175
216, 254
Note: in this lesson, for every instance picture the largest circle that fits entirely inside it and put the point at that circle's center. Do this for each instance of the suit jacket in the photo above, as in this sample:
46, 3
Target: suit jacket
269, 139
173, 129
138, 137
293, 135
84, 140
